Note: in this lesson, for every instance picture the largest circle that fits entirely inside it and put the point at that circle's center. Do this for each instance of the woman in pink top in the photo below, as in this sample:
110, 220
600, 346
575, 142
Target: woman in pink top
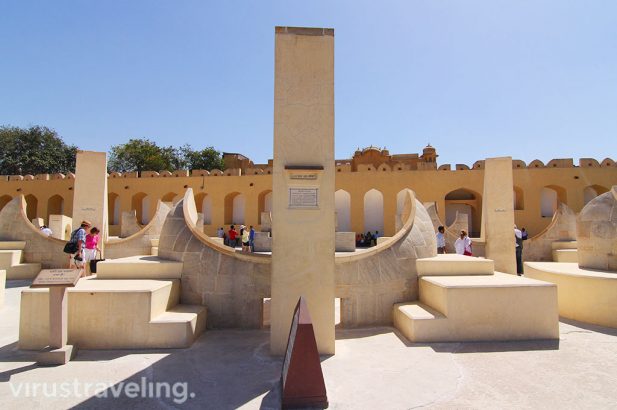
92, 246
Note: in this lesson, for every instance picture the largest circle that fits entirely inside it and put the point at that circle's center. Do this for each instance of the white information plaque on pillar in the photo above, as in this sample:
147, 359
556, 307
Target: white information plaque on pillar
303, 198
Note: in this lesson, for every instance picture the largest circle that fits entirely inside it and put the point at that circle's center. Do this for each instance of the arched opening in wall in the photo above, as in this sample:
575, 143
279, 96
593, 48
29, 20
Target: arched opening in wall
171, 197
55, 206
234, 208
373, 211
264, 203
593, 191
4, 199
206, 210
342, 203
550, 198
468, 202
113, 208
518, 199
140, 202
32, 205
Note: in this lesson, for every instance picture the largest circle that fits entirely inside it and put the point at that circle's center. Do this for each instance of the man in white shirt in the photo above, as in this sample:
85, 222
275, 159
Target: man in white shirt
46, 231
518, 237
441, 240
463, 244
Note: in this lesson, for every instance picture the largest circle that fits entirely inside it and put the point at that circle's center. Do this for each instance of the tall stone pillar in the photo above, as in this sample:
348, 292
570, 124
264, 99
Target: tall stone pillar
90, 192
303, 183
498, 214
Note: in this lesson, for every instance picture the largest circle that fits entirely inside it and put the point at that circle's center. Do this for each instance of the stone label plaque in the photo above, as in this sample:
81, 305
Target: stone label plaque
56, 277
303, 176
303, 197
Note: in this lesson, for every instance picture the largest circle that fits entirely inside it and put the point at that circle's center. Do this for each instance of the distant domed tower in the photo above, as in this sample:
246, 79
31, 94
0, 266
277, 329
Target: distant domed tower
429, 154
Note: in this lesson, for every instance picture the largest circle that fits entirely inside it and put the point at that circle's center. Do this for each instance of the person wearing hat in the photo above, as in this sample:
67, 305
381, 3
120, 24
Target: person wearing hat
79, 236
245, 239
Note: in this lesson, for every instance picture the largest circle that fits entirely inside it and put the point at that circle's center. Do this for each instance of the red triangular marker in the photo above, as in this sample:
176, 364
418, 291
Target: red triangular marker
301, 378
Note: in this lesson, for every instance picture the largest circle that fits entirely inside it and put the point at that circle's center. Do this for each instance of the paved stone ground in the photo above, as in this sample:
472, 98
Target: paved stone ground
373, 369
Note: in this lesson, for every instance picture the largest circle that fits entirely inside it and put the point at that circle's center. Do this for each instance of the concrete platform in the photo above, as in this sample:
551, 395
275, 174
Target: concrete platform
139, 267
565, 255
564, 245
479, 308
373, 368
112, 314
453, 264
585, 295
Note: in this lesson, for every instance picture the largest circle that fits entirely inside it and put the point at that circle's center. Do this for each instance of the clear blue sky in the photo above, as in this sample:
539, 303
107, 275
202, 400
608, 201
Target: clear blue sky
476, 79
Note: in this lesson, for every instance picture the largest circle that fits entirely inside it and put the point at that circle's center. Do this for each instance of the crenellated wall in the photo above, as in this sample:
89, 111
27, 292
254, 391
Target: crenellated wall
52, 194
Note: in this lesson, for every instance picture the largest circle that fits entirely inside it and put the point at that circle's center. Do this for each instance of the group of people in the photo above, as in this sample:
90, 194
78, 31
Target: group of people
86, 238
367, 240
233, 238
462, 245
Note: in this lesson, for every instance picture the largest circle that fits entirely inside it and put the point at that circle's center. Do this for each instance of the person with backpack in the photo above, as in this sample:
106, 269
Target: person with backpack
77, 244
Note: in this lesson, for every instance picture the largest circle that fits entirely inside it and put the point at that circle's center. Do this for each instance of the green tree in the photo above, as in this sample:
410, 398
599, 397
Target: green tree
207, 158
34, 150
143, 155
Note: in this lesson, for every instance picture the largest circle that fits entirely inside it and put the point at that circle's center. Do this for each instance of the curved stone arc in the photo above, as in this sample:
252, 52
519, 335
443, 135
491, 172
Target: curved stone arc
233, 284
596, 229
15, 226
562, 228
139, 243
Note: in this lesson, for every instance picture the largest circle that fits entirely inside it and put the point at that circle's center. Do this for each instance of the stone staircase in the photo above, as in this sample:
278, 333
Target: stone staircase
115, 314
11, 260
463, 299
565, 251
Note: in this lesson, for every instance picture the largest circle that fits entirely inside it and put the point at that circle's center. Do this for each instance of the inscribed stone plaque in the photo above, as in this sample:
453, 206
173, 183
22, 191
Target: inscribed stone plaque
56, 277
303, 197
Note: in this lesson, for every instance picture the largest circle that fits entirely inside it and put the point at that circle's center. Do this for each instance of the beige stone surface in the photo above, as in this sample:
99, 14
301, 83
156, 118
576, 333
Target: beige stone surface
561, 230
262, 242
498, 214
303, 136
128, 224
565, 255
60, 226
345, 241
587, 295
139, 267
90, 192
453, 264
480, 308
596, 228
114, 314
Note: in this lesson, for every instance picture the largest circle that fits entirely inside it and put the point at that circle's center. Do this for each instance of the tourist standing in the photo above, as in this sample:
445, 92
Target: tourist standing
252, 239
244, 237
45, 230
220, 233
463, 244
518, 238
375, 238
232, 234
92, 246
441, 240
78, 236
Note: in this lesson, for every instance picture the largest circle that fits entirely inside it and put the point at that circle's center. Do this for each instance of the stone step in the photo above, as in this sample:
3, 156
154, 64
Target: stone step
481, 308
139, 267
454, 265
418, 322
179, 326
565, 255
106, 314
154, 251
9, 258
12, 245
23, 271
154, 242
564, 245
